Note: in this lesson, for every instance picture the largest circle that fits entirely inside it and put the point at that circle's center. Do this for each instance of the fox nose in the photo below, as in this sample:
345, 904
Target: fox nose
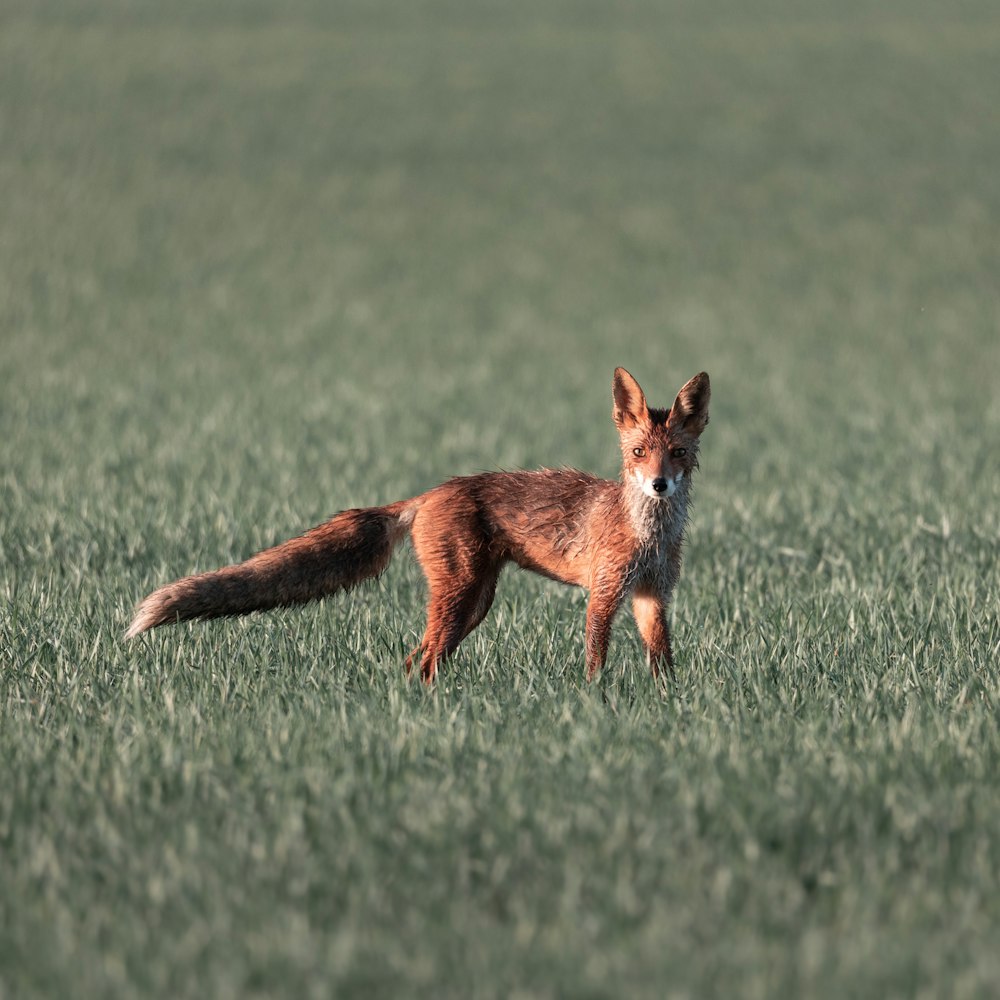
659, 484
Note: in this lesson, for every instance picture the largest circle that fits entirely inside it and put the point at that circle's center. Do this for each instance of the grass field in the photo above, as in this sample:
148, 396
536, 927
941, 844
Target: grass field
261, 262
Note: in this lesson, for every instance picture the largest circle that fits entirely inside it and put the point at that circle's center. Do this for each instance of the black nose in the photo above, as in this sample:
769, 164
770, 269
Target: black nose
659, 484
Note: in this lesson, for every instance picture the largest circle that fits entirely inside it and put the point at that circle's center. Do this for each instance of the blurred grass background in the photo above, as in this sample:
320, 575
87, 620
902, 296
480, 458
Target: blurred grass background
259, 263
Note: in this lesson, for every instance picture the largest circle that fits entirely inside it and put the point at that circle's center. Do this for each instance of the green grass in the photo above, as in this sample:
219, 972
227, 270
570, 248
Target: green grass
262, 262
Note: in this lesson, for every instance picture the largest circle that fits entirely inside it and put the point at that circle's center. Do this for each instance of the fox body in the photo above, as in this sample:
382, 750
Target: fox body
618, 539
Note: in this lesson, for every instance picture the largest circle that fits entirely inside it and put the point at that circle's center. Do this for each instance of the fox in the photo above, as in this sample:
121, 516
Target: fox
616, 539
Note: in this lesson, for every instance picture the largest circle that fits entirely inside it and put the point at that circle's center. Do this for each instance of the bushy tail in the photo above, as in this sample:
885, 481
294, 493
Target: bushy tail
352, 546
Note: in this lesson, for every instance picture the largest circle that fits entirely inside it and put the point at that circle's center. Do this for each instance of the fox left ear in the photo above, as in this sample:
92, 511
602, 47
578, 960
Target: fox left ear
630, 401
691, 405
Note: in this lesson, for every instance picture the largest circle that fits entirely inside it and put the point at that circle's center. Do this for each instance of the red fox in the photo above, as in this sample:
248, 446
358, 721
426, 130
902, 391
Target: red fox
617, 539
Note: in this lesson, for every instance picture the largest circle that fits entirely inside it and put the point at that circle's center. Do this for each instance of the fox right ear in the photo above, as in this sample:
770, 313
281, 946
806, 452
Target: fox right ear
690, 408
630, 402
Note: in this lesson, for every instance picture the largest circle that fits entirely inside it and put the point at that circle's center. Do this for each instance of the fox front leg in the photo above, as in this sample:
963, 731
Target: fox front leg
601, 610
651, 616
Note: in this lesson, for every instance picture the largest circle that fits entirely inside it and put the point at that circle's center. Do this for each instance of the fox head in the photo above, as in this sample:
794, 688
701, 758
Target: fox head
659, 447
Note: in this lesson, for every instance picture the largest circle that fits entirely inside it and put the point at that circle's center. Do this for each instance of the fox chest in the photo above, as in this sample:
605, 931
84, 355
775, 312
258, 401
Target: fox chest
655, 569
656, 562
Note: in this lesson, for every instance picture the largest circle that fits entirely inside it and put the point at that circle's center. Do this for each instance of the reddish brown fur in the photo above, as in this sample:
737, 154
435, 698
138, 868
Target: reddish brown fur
609, 537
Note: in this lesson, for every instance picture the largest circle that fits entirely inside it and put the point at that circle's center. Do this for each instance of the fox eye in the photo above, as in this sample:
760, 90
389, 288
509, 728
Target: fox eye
678, 452
639, 452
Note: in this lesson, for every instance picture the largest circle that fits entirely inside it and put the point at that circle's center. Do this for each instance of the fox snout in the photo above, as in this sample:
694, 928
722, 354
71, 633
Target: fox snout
660, 487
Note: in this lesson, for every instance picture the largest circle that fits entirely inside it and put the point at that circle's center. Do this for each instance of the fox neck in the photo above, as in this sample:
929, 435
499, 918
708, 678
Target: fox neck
656, 520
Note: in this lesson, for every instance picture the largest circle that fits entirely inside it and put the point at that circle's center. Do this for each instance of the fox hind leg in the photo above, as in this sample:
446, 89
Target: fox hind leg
451, 616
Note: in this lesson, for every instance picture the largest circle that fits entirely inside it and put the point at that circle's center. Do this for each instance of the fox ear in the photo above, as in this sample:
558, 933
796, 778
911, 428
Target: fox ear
630, 403
691, 405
